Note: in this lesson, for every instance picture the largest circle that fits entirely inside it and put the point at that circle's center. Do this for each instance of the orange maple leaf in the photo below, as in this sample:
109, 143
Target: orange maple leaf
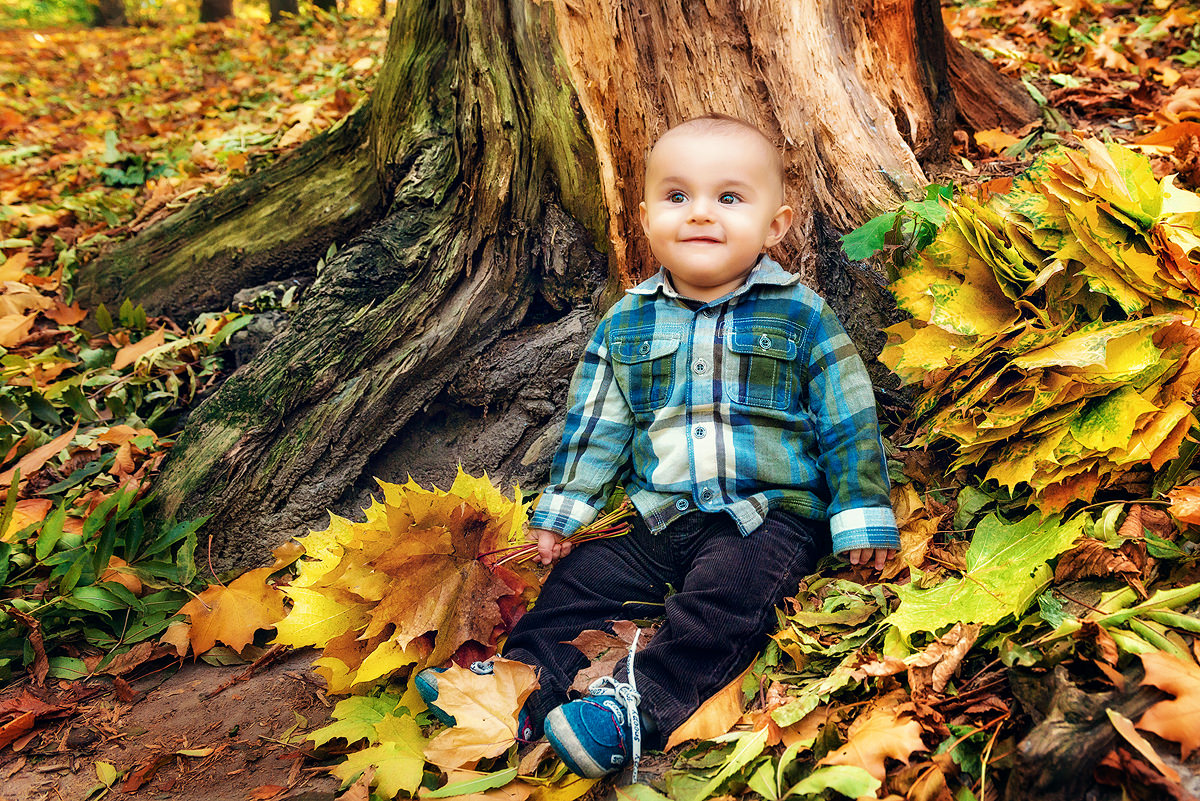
485, 709
1175, 719
440, 585
875, 735
232, 614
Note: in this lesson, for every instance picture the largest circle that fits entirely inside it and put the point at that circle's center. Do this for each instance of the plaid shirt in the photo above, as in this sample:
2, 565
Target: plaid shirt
752, 402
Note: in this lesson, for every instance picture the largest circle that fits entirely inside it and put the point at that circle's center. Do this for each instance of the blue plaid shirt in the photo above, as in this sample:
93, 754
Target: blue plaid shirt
752, 402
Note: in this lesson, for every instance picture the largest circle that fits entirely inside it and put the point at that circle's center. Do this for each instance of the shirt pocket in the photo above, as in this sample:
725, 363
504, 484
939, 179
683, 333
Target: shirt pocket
645, 369
764, 361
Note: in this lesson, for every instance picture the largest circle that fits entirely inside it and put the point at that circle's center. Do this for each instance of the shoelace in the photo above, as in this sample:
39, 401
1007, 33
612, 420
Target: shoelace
627, 696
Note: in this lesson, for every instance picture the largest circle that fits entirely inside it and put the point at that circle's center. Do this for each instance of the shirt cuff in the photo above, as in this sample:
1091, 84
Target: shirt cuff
873, 527
561, 514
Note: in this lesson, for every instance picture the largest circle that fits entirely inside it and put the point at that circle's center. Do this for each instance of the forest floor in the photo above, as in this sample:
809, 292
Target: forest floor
196, 107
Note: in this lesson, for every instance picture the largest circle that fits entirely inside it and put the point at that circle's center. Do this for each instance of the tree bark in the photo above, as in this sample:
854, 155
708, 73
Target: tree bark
489, 213
215, 10
281, 7
110, 14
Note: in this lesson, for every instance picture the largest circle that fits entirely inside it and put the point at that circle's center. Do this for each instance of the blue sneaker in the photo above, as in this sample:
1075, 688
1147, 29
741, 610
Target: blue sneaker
599, 733
427, 687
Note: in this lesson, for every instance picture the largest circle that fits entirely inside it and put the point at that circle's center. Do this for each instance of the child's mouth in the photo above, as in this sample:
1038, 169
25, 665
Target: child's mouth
704, 240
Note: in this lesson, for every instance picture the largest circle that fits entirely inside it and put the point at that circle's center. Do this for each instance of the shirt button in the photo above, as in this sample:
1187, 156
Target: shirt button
700, 366
706, 494
764, 342
644, 349
681, 504
700, 432
707, 312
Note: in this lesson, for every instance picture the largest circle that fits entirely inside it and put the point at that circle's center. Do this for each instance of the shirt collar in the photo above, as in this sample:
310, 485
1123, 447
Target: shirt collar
766, 272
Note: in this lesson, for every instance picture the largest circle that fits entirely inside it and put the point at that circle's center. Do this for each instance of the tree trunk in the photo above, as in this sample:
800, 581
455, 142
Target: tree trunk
281, 7
489, 212
215, 10
110, 14
326, 5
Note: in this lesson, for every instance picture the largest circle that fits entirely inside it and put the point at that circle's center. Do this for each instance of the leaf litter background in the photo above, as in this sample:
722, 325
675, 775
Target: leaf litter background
1052, 358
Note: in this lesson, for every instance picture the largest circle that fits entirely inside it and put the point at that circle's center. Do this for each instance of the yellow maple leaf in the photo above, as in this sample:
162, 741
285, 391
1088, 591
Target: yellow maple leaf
232, 614
878, 734
485, 708
397, 757
316, 617
1175, 719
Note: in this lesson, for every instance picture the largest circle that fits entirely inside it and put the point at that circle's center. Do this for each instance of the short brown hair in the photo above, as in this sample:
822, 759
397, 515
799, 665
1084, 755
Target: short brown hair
715, 121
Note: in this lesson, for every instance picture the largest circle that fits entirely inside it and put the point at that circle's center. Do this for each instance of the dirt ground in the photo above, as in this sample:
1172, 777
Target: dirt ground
245, 742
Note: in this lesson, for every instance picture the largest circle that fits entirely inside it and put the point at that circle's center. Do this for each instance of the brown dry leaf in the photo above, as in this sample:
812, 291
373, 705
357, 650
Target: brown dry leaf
63, 314
917, 528
606, 650
234, 613
878, 734
265, 792
1185, 504
33, 461
135, 350
933, 667
1174, 719
806, 729
1089, 558
485, 708
715, 717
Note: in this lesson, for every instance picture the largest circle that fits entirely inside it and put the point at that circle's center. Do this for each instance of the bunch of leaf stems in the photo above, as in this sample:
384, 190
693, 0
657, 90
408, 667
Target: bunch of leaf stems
613, 524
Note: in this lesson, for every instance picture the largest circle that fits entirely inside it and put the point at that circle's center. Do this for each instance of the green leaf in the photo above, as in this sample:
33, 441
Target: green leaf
179, 532
749, 745
869, 238
848, 780
639, 792
103, 319
399, 759
10, 502
111, 154
82, 474
106, 773
477, 785
71, 578
355, 719
1006, 569
51, 532
67, 667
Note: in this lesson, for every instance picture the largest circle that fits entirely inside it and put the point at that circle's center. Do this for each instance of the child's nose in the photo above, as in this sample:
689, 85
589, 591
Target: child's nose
701, 210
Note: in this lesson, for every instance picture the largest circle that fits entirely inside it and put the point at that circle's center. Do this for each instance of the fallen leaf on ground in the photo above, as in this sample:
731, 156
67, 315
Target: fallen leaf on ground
397, 759
135, 350
33, 461
1124, 727
937, 662
1174, 719
233, 614
607, 650
485, 708
875, 735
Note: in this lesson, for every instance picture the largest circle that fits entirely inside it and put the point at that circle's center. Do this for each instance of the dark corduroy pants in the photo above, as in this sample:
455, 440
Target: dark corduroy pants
723, 588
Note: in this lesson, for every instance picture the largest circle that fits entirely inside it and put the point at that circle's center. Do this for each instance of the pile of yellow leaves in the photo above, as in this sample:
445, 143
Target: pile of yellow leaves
408, 587
1053, 334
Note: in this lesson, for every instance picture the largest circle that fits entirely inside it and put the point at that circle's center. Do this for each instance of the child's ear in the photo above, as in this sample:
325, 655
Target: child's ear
779, 225
642, 216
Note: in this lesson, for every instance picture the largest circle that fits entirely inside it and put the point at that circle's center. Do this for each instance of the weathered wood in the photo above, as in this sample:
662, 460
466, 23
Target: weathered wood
274, 224
1055, 761
987, 98
503, 147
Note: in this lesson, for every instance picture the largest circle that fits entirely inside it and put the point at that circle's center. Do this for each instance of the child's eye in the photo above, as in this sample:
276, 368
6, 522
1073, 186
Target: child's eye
728, 198
676, 197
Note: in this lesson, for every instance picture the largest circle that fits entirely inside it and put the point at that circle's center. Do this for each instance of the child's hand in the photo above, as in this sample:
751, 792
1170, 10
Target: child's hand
551, 546
863, 556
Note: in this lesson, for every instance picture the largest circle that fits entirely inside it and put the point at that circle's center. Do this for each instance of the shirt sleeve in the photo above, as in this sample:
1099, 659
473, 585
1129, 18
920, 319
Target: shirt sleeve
851, 455
595, 447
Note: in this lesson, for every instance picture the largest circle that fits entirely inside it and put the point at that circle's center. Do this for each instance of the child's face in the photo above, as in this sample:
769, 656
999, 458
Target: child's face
713, 203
